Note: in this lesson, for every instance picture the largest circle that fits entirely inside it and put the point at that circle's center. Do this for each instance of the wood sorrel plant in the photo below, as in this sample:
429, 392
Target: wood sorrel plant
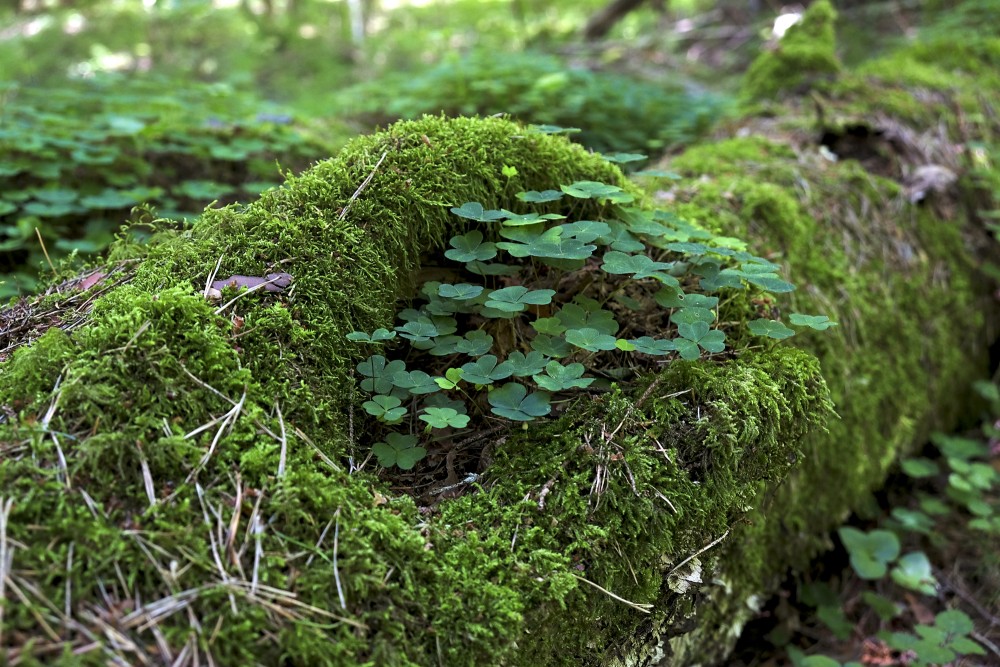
527, 318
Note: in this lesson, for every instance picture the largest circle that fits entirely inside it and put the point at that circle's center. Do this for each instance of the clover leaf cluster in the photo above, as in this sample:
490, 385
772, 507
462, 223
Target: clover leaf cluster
530, 315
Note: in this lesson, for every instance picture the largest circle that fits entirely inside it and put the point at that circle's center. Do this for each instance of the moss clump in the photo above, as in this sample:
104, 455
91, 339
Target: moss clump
805, 55
190, 478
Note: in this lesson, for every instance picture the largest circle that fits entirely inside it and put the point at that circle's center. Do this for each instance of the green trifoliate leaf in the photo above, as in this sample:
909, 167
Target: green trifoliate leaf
597, 190
418, 330
688, 248
444, 345
473, 210
669, 297
415, 382
560, 378
585, 231
590, 339
913, 571
624, 158
376, 336
716, 280
469, 247
399, 451
628, 302
551, 326
385, 408
639, 266
508, 171
513, 402
522, 365
955, 623
378, 372
549, 244
659, 173
817, 322
475, 343
621, 239
769, 281
691, 315
770, 328
587, 313
653, 346
514, 299
486, 370
555, 129
459, 292
443, 418
551, 346
870, 552
536, 197
451, 378
919, 468
526, 219
710, 340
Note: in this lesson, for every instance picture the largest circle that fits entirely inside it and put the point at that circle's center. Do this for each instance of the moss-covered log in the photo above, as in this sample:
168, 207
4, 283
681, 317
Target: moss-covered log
177, 481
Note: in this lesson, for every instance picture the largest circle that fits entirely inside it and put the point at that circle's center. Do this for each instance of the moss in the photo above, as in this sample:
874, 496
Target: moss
205, 466
805, 54
900, 279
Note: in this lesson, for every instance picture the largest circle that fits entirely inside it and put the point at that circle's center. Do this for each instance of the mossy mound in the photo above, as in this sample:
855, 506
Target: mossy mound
839, 184
178, 480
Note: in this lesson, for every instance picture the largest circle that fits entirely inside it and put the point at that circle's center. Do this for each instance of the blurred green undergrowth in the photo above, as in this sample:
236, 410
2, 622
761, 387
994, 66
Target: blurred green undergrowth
75, 159
615, 112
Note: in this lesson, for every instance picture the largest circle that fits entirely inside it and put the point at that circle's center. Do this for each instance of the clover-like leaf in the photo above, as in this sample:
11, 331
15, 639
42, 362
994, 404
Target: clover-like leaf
653, 346
621, 239
817, 322
559, 378
689, 315
376, 336
913, 571
513, 402
640, 266
547, 244
522, 365
469, 247
770, 328
444, 345
418, 331
714, 279
536, 197
378, 372
486, 370
587, 313
400, 451
514, 299
459, 292
385, 408
550, 346
551, 326
451, 378
415, 382
596, 190
475, 343
624, 158
768, 281
590, 339
870, 552
444, 417
688, 248
473, 210
526, 219
710, 340
670, 297
585, 231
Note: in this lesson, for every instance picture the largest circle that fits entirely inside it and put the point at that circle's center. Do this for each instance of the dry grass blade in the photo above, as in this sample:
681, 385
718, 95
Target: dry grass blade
6, 556
641, 607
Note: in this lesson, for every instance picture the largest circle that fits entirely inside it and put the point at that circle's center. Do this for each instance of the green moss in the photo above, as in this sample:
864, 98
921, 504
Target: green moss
805, 54
903, 286
208, 467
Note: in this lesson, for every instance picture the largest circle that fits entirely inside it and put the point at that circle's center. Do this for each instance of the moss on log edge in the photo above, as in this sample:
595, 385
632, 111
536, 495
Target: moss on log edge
180, 485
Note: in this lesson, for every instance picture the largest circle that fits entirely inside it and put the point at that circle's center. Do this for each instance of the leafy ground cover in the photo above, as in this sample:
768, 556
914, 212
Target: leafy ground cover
76, 160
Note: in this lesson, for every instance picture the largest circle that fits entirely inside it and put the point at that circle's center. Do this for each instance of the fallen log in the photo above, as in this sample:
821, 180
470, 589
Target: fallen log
186, 476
